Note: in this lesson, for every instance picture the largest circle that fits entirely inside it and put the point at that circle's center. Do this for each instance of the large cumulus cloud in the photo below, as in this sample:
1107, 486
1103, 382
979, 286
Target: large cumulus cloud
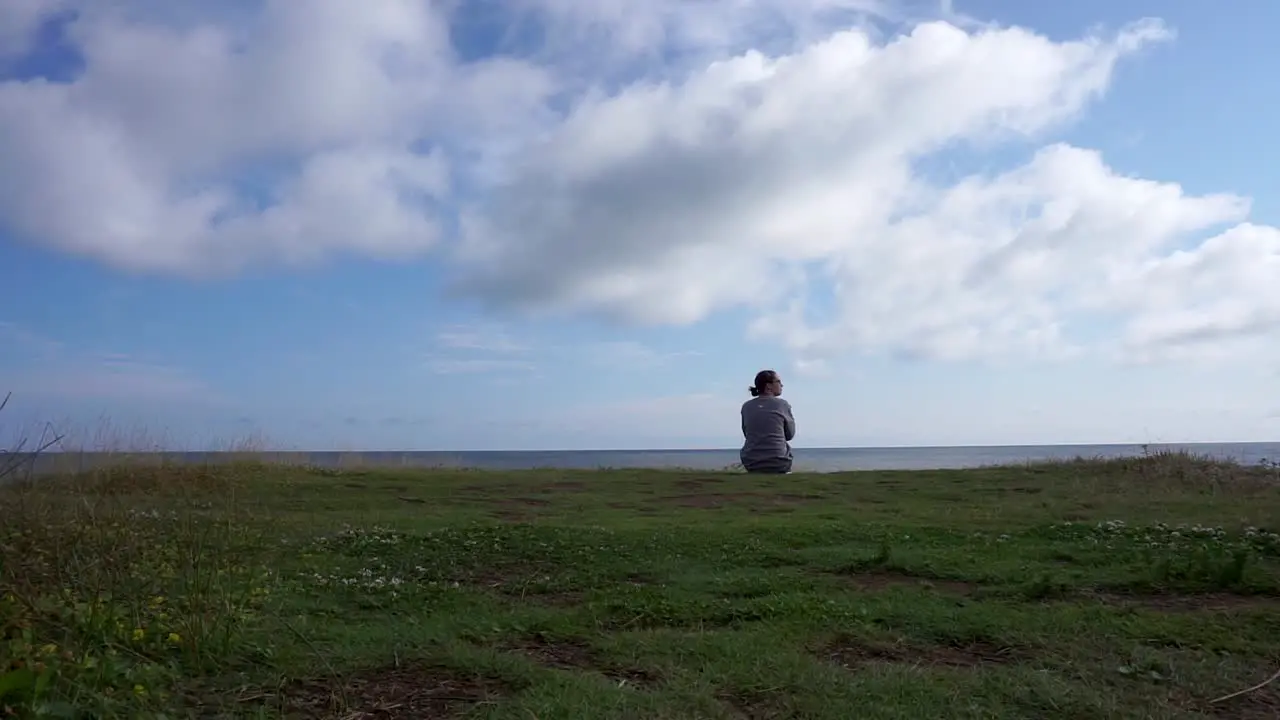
652, 163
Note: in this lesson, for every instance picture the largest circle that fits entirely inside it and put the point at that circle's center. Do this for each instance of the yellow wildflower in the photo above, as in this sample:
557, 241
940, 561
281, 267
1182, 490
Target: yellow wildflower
139, 633
139, 690
175, 638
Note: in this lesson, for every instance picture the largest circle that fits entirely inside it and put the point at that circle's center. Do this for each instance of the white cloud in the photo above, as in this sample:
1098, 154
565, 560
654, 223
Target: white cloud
651, 162
629, 354
663, 31
998, 266
468, 366
668, 202
117, 379
43, 367
479, 338
479, 349
199, 147
1213, 301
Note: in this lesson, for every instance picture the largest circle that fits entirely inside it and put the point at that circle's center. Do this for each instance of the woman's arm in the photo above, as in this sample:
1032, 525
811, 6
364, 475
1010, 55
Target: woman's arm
788, 423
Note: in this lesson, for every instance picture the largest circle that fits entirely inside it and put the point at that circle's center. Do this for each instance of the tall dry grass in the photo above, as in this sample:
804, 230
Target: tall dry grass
120, 581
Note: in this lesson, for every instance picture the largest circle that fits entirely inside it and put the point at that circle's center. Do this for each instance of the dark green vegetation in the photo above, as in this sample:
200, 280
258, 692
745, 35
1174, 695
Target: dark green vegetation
1132, 588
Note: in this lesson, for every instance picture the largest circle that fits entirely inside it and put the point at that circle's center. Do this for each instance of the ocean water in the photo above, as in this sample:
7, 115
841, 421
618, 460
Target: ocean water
806, 459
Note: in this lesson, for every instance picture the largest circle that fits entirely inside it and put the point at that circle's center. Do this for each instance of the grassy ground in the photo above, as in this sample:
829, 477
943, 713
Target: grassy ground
1133, 588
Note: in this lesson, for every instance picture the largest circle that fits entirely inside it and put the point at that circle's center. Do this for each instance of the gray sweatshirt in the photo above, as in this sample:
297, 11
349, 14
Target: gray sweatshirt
767, 426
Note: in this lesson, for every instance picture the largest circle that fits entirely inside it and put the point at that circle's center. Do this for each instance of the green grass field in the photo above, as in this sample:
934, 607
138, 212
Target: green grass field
1141, 588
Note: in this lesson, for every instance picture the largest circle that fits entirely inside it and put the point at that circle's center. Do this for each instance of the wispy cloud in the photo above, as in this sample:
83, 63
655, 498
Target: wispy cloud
479, 339
819, 368
631, 354
21, 340
474, 366
41, 366
690, 420
115, 379
478, 350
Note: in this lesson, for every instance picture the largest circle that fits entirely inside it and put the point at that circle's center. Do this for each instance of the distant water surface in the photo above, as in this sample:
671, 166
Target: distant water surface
806, 459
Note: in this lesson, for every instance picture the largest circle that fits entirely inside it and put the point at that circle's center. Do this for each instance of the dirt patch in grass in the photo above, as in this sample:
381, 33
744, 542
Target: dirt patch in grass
706, 500
1261, 704
772, 510
752, 705
574, 485
512, 516
516, 509
1014, 489
853, 653
798, 497
533, 594
525, 501
1202, 602
557, 598
887, 580
744, 498
516, 585
487, 492
412, 691
697, 483
570, 654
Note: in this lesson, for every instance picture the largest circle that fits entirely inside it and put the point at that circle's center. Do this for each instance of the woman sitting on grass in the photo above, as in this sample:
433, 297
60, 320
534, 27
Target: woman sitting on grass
767, 426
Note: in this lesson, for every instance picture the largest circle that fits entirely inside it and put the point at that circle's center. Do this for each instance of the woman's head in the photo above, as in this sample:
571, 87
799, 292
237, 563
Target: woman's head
767, 383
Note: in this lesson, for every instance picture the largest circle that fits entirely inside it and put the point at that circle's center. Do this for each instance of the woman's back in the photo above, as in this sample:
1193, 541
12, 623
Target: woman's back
767, 426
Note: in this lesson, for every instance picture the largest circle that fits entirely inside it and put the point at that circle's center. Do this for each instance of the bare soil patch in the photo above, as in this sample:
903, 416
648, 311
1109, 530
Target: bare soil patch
529, 501
752, 705
517, 585
771, 510
697, 483
516, 509
412, 691
853, 653
512, 516
1261, 704
746, 497
557, 598
886, 580
1015, 489
488, 492
705, 500
570, 654
542, 596
1203, 602
799, 497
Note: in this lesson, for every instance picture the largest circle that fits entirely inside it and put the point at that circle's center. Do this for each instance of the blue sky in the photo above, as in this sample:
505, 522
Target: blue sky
574, 230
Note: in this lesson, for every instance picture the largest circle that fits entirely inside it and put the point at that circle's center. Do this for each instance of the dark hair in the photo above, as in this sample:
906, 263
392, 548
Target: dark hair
764, 377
